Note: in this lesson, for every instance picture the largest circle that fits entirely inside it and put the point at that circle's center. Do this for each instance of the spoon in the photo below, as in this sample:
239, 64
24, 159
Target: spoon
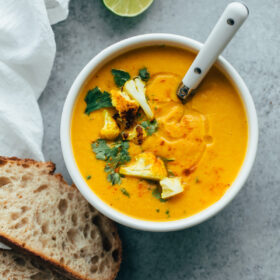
231, 20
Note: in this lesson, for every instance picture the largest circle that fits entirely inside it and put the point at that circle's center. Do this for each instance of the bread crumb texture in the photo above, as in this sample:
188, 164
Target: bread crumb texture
43, 215
14, 266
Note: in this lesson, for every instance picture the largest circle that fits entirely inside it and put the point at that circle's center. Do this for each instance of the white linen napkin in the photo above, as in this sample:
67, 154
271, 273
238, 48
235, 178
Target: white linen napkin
27, 51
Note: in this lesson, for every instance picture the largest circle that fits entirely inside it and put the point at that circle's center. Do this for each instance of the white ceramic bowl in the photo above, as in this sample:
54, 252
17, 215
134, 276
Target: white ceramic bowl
94, 65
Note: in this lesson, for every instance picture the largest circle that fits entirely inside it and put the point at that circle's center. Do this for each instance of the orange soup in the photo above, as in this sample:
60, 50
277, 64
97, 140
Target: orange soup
146, 154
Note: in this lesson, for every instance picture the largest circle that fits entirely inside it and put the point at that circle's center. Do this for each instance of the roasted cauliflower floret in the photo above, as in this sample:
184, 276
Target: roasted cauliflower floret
136, 89
136, 135
145, 165
171, 186
126, 107
110, 130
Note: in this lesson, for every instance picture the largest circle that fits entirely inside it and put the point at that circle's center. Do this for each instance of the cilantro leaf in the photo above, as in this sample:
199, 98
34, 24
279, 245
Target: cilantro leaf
95, 100
164, 159
114, 178
156, 194
150, 126
114, 155
120, 77
170, 173
144, 74
101, 149
125, 192
167, 213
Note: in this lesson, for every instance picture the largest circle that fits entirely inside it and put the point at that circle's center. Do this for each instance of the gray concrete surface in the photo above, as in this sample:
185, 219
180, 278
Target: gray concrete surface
243, 241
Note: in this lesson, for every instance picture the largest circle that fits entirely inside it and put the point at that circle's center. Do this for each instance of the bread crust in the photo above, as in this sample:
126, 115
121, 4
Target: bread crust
27, 162
23, 248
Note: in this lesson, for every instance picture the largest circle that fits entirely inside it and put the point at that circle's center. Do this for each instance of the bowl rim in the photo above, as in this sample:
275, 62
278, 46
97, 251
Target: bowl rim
65, 133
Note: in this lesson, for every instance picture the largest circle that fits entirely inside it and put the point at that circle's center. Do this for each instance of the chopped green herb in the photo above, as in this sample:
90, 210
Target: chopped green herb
95, 100
167, 213
170, 173
150, 126
157, 210
144, 74
140, 116
164, 159
196, 180
113, 177
114, 155
88, 177
125, 192
151, 182
101, 149
120, 77
156, 194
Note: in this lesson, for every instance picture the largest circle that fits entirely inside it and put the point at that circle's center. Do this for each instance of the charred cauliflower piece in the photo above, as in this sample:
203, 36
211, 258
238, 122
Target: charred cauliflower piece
110, 130
145, 165
136, 135
171, 187
136, 89
126, 107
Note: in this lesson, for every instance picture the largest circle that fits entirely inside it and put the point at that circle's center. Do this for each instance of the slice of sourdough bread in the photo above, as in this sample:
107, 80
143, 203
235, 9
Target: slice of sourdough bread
14, 266
42, 215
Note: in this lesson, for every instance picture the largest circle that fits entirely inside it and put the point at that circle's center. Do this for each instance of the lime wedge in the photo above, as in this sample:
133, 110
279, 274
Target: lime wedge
127, 8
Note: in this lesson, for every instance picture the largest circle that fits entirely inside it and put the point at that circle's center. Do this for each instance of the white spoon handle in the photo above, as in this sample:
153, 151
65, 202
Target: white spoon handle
228, 24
